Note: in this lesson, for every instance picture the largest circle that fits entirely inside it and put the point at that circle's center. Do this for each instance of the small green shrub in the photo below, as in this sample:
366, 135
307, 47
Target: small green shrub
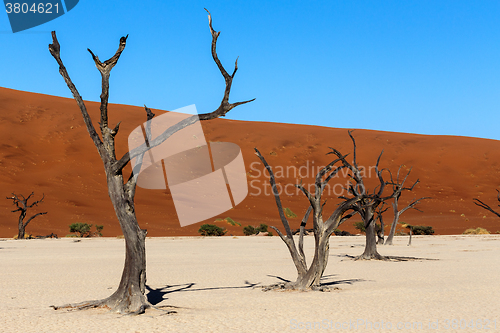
250, 230
419, 229
360, 226
288, 213
99, 229
262, 228
422, 230
82, 229
211, 230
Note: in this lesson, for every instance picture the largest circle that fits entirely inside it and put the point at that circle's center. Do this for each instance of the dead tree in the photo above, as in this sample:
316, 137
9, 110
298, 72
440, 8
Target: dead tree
357, 200
23, 206
130, 295
487, 207
398, 187
368, 205
309, 278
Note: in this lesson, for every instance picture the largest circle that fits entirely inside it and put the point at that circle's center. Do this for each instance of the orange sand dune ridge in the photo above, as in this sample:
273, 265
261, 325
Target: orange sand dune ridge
45, 148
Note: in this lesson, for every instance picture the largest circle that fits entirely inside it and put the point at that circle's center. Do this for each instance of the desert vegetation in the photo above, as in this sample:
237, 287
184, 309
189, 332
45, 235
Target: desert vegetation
476, 231
84, 229
250, 230
211, 230
22, 205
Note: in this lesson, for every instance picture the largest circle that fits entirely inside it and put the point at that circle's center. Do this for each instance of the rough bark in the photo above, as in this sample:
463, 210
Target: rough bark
22, 207
370, 251
130, 295
390, 237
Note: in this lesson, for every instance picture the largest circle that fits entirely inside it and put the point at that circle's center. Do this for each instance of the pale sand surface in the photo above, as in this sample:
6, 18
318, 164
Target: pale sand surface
210, 280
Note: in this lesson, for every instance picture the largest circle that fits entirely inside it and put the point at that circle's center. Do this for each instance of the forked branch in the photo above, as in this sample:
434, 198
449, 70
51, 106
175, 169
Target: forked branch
225, 106
105, 69
221, 111
55, 51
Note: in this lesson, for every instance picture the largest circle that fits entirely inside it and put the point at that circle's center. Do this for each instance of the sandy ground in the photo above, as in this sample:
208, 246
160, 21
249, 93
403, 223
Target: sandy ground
211, 282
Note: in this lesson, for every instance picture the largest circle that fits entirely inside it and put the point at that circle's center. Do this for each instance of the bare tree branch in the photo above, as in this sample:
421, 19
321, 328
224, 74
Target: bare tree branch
221, 111
486, 206
55, 50
105, 69
225, 106
23, 206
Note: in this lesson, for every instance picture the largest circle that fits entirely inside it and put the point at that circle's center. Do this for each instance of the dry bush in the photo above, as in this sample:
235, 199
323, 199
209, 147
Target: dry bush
477, 231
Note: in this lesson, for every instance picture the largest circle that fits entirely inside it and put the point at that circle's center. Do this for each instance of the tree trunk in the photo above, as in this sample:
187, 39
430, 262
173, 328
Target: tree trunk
129, 297
380, 233
21, 226
311, 279
411, 231
388, 241
371, 245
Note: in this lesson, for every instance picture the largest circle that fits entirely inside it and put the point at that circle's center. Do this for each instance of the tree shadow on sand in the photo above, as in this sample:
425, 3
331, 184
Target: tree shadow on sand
386, 258
325, 280
157, 295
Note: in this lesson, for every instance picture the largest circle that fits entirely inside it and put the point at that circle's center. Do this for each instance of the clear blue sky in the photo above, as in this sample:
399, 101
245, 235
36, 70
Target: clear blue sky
428, 67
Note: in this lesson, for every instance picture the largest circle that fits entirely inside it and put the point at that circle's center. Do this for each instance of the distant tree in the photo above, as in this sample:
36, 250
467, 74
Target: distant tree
487, 207
130, 294
398, 186
369, 204
82, 229
23, 206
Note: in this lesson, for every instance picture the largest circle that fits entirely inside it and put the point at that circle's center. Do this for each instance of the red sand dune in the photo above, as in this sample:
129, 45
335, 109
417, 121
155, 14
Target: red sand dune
45, 148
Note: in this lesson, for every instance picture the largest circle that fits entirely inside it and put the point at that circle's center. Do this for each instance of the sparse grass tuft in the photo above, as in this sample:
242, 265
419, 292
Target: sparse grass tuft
477, 231
230, 221
288, 213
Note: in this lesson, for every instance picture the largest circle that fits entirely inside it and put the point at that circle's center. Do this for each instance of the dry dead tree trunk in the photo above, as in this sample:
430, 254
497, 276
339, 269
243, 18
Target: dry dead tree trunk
368, 205
370, 251
130, 296
23, 206
487, 207
309, 277
399, 188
